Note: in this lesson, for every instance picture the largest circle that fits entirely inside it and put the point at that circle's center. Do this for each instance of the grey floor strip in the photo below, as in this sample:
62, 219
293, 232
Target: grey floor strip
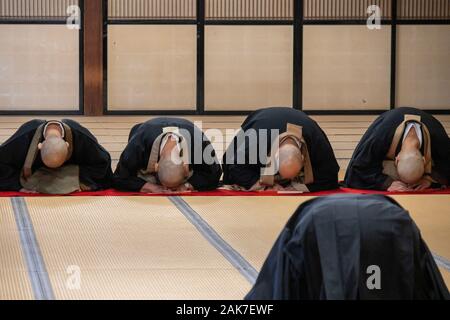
441, 261
245, 268
40, 281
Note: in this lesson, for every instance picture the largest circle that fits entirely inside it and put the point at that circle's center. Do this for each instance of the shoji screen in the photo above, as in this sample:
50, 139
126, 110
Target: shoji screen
248, 62
151, 67
39, 57
423, 54
346, 68
248, 67
152, 55
235, 56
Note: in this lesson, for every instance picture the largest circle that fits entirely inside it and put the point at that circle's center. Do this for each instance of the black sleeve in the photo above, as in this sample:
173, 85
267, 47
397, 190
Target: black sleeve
12, 156
440, 151
324, 163
244, 175
94, 163
131, 161
323, 183
206, 176
366, 168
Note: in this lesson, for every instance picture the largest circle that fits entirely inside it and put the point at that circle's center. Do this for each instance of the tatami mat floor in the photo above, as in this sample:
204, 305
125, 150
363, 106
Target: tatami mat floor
147, 248
14, 281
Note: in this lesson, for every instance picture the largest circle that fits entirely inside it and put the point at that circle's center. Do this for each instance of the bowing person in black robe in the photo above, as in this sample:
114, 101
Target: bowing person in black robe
405, 149
55, 157
349, 247
165, 155
280, 149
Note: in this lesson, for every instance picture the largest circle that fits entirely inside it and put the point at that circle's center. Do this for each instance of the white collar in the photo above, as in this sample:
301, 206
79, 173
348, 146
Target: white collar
172, 136
63, 132
416, 127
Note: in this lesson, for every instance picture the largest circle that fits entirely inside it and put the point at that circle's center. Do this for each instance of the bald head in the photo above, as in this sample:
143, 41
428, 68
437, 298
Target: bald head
171, 174
410, 166
290, 161
54, 151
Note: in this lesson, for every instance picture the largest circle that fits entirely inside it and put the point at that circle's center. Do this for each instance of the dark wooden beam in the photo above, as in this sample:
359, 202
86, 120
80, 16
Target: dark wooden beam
93, 57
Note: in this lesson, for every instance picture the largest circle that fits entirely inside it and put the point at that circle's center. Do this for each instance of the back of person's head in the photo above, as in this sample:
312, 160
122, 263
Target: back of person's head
54, 151
171, 173
410, 166
290, 161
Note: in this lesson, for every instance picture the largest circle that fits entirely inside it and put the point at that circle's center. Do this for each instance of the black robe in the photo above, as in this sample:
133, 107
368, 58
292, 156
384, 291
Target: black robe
325, 251
93, 160
136, 155
365, 170
323, 161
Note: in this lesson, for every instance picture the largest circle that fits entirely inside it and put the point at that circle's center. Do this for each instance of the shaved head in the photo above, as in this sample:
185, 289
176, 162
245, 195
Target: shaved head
290, 161
410, 166
171, 174
54, 151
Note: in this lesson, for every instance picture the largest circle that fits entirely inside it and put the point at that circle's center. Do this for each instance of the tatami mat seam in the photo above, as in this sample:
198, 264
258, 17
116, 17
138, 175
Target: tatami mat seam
441, 261
37, 270
234, 257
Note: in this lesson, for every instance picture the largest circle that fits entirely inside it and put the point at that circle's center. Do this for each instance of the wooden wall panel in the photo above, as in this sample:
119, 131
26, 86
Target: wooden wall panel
423, 67
35, 9
344, 9
346, 68
152, 9
423, 9
93, 57
39, 67
249, 9
248, 67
